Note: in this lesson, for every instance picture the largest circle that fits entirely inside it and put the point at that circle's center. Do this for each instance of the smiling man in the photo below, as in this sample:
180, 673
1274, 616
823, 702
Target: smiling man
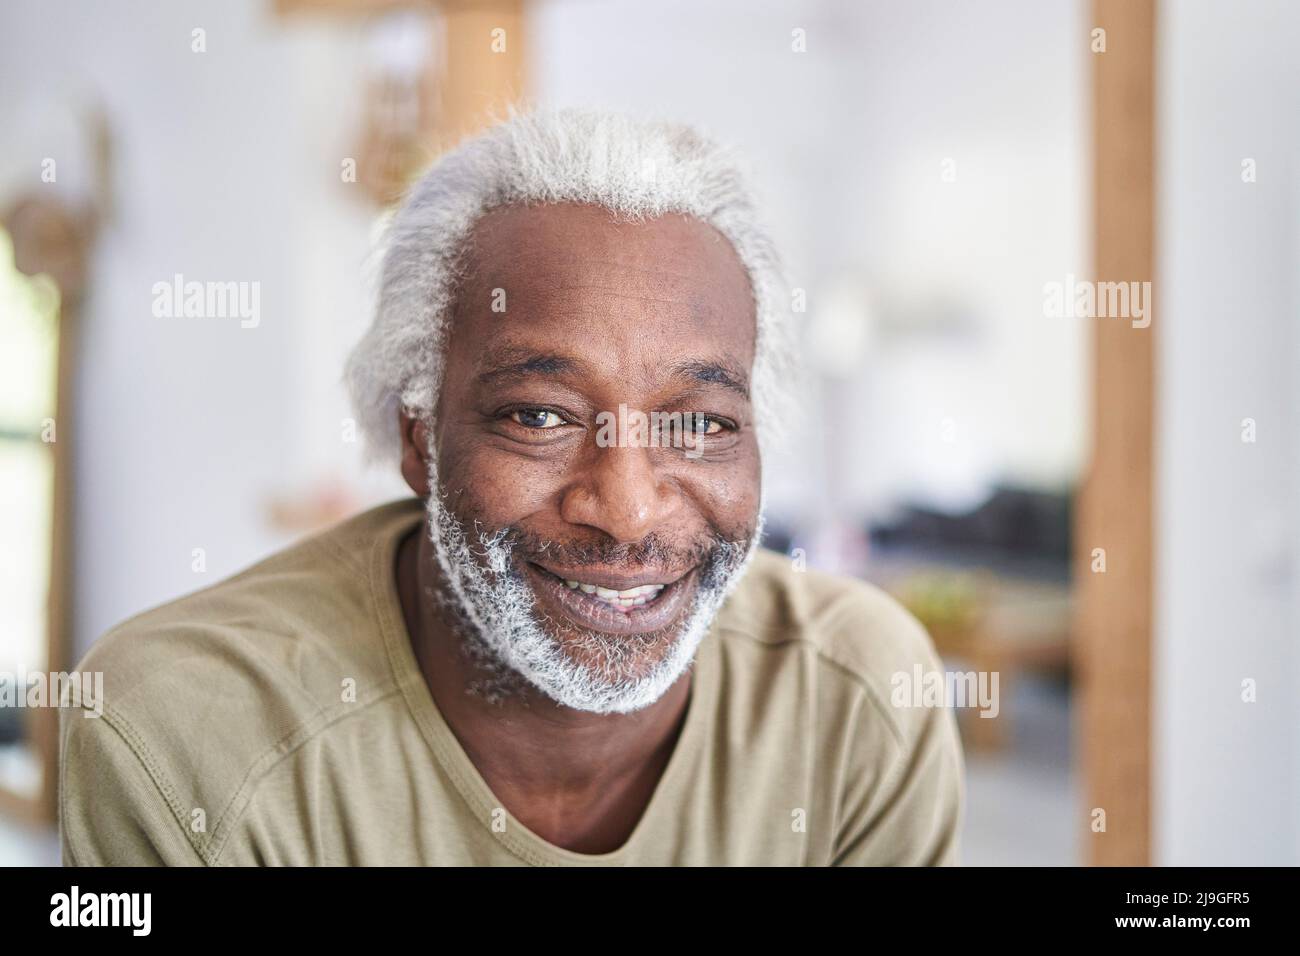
567, 648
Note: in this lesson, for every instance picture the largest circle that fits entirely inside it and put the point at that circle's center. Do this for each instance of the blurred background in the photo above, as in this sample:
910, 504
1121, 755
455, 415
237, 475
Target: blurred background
1105, 515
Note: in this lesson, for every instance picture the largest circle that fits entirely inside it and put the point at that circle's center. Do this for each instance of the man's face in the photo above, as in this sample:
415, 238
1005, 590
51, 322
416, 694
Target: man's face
588, 548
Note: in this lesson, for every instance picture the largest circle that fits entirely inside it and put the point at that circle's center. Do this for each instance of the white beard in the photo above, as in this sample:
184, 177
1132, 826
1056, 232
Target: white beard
497, 608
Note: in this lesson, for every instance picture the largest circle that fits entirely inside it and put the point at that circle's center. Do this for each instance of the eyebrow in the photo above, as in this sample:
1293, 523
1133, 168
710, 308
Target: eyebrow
714, 373
524, 363
514, 363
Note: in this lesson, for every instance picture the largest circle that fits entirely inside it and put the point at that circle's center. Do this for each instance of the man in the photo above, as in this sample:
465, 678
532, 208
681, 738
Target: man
568, 648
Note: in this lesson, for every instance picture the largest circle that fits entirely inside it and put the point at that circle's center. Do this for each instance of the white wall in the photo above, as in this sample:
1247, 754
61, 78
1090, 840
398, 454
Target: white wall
227, 168
1227, 782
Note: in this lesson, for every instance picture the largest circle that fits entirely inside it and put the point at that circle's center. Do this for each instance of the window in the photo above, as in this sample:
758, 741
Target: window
29, 362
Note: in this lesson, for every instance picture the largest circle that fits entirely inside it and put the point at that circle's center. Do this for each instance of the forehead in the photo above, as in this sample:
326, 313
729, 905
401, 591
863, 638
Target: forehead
621, 294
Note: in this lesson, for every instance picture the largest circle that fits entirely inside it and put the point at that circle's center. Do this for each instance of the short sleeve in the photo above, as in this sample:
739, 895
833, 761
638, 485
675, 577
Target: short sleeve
111, 810
904, 808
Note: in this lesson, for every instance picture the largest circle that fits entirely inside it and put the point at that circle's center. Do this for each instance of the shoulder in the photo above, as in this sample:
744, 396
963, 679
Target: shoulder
277, 628
204, 693
848, 626
808, 642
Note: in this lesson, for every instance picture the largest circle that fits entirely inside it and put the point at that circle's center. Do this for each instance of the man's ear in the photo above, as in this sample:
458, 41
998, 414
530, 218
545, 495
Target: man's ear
415, 454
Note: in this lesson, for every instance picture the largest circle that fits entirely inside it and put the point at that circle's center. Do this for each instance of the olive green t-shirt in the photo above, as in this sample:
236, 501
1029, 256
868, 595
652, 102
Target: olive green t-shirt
280, 717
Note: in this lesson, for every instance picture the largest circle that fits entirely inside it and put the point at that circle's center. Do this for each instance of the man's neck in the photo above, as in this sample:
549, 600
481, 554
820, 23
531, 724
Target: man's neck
577, 779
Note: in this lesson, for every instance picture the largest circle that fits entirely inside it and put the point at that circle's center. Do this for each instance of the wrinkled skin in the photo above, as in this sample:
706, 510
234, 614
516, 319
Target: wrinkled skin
657, 316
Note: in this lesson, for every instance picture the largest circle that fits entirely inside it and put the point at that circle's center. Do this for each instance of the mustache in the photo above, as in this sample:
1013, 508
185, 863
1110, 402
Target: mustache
651, 551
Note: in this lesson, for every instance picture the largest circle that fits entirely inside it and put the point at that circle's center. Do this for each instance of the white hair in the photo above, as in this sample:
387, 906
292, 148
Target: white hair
636, 170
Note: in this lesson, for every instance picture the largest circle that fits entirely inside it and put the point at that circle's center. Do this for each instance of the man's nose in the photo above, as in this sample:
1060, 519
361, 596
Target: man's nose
620, 493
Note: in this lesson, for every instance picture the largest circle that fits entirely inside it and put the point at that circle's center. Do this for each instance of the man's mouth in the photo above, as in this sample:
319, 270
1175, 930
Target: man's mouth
614, 603
624, 600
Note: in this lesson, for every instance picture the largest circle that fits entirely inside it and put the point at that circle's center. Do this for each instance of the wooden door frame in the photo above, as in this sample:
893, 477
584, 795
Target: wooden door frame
1113, 644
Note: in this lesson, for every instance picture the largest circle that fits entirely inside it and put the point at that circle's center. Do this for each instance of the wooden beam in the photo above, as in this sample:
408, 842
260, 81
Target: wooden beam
486, 66
59, 653
346, 8
482, 68
1114, 626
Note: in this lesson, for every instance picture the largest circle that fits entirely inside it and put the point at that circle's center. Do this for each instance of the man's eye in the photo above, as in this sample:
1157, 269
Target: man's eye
700, 424
536, 418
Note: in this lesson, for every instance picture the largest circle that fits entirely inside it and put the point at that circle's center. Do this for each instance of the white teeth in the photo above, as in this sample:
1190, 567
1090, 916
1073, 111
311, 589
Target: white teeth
632, 597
